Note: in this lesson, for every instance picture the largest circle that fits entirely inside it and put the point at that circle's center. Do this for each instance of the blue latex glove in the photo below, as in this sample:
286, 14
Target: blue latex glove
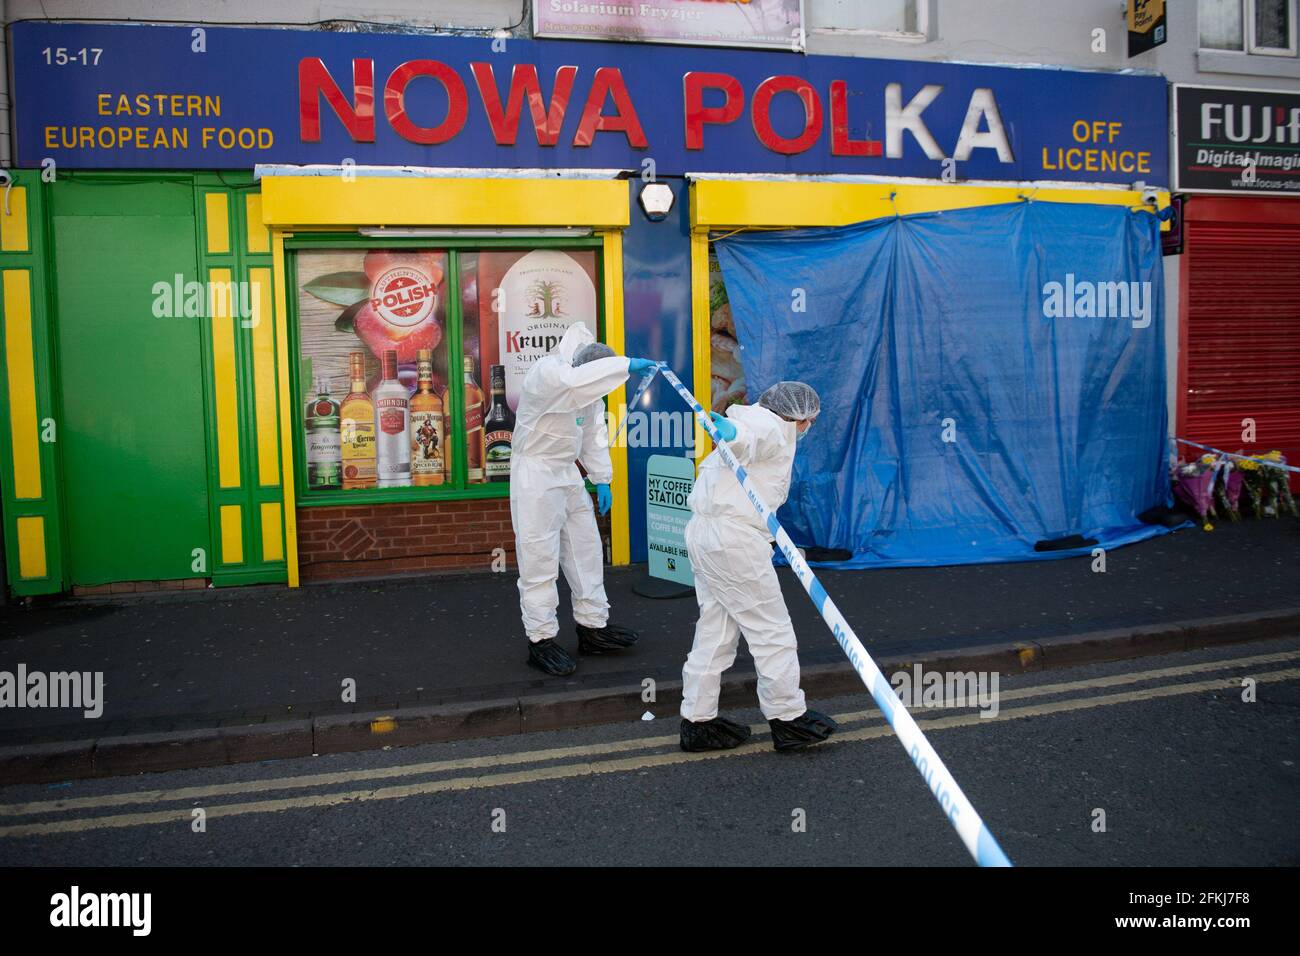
726, 430
604, 498
635, 365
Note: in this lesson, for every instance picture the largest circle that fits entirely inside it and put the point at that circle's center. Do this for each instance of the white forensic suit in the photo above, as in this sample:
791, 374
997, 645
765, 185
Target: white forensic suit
559, 420
735, 583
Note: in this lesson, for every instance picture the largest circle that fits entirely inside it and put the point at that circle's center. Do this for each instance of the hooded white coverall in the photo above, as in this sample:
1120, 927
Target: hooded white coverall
560, 419
735, 583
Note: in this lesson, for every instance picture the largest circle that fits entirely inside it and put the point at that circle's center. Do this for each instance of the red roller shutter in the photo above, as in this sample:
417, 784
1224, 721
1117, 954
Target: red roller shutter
1240, 321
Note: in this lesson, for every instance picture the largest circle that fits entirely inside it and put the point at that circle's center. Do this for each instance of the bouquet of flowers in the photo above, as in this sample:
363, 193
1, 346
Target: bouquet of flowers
1227, 491
1225, 485
1194, 485
1266, 487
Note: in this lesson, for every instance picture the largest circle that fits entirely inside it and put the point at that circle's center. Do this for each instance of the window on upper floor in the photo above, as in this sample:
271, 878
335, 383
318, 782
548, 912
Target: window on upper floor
1261, 27
902, 19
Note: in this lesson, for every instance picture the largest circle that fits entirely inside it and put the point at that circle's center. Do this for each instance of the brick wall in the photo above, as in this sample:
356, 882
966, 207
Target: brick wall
354, 541
139, 587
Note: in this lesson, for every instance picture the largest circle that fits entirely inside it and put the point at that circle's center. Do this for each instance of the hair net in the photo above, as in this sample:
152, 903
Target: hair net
592, 351
793, 400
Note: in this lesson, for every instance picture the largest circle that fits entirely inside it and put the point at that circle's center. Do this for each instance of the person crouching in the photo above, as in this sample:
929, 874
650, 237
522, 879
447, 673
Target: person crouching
735, 583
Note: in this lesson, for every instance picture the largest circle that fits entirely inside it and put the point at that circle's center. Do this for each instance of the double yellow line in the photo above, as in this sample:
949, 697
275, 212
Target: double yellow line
591, 759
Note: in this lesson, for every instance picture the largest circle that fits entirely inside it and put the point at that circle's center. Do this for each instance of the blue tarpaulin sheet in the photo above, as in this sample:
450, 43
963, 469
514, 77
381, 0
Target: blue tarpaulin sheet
990, 378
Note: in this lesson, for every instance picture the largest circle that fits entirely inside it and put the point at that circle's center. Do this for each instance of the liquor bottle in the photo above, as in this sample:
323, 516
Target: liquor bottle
324, 452
474, 446
393, 437
428, 427
357, 428
498, 427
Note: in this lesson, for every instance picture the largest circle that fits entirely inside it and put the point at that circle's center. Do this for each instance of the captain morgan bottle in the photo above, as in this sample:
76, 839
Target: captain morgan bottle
428, 427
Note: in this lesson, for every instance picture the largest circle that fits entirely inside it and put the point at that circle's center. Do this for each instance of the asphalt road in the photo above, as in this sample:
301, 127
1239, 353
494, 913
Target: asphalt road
1185, 770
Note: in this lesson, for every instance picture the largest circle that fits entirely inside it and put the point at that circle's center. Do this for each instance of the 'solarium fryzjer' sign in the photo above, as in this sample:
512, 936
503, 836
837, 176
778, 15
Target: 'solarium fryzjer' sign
1237, 140
762, 23
114, 96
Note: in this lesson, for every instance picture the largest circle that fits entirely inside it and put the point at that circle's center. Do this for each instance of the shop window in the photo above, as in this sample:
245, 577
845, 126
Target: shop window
412, 358
1263, 27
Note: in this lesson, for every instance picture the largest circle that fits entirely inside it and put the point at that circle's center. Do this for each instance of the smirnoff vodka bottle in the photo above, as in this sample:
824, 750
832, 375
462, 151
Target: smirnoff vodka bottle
393, 418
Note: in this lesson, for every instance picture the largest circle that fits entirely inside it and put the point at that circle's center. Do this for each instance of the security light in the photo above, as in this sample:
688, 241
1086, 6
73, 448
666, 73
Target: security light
656, 200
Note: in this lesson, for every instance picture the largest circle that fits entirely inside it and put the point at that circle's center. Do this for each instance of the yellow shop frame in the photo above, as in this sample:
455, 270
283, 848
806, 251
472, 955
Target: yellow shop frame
727, 205
324, 202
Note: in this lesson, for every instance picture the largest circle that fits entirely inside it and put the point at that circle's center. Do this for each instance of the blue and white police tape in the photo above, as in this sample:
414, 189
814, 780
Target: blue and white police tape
1236, 457
636, 397
956, 806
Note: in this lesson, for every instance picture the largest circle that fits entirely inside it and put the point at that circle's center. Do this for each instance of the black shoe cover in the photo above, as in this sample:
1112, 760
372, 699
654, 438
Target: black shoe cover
550, 657
598, 640
811, 727
716, 734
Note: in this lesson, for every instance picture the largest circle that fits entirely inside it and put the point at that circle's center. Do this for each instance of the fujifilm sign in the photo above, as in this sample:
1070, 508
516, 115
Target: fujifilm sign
1242, 141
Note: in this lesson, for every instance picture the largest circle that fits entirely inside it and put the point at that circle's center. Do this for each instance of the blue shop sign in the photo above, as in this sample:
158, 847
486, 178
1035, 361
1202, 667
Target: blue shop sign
172, 97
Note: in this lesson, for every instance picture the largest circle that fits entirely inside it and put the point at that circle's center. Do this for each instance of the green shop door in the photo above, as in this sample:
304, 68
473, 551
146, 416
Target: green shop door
131, 433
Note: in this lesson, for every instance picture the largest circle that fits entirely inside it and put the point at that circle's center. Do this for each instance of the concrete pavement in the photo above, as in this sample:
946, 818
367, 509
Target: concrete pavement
237, 676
